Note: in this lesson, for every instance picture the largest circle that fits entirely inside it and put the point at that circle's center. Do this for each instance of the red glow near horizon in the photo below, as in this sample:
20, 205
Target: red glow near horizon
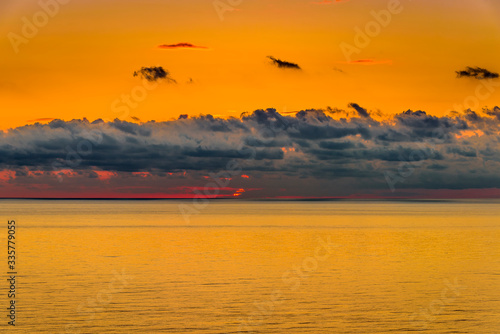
78, 185
104, 175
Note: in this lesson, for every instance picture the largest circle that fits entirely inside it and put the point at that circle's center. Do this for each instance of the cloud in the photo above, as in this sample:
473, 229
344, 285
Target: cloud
154, 73
313, 151
494, 112
181, 46
362, 112
283, 64
477, 73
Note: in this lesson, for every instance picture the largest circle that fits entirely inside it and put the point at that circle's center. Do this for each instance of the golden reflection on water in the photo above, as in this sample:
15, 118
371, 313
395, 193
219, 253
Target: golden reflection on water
140, 267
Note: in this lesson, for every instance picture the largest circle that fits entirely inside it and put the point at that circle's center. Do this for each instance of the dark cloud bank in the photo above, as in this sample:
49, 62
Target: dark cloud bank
316, 148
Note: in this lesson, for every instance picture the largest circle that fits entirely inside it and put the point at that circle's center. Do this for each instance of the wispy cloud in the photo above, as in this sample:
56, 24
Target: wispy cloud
362, 112
182, 46
154, 73
477, 73
283, 64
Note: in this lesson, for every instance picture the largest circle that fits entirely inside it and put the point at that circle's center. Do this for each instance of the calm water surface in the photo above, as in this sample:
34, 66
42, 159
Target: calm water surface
261, 267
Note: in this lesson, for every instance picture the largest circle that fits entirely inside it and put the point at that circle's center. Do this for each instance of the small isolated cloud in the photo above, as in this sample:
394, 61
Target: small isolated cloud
181, 46
477, 73
154, 73
283, 64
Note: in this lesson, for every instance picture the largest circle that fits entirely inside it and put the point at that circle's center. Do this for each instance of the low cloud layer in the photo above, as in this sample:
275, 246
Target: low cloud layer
412, 150
477, 73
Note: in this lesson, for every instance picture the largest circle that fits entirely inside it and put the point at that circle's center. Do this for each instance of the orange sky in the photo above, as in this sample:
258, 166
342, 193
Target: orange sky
81, 62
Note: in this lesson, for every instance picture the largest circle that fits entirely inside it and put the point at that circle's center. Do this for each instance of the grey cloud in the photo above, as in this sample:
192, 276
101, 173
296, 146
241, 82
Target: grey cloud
463, 151
283, 64
310, 144
154, 73
362, 112
477, 73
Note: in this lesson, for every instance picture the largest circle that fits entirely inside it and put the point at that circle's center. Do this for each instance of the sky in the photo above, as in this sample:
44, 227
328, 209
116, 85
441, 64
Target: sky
354, 88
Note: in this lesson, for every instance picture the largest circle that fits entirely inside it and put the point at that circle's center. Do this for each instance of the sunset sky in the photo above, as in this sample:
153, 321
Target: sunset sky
79, 63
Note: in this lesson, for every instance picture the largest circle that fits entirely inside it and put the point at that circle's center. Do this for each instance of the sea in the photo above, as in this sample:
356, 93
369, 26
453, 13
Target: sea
234, 266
